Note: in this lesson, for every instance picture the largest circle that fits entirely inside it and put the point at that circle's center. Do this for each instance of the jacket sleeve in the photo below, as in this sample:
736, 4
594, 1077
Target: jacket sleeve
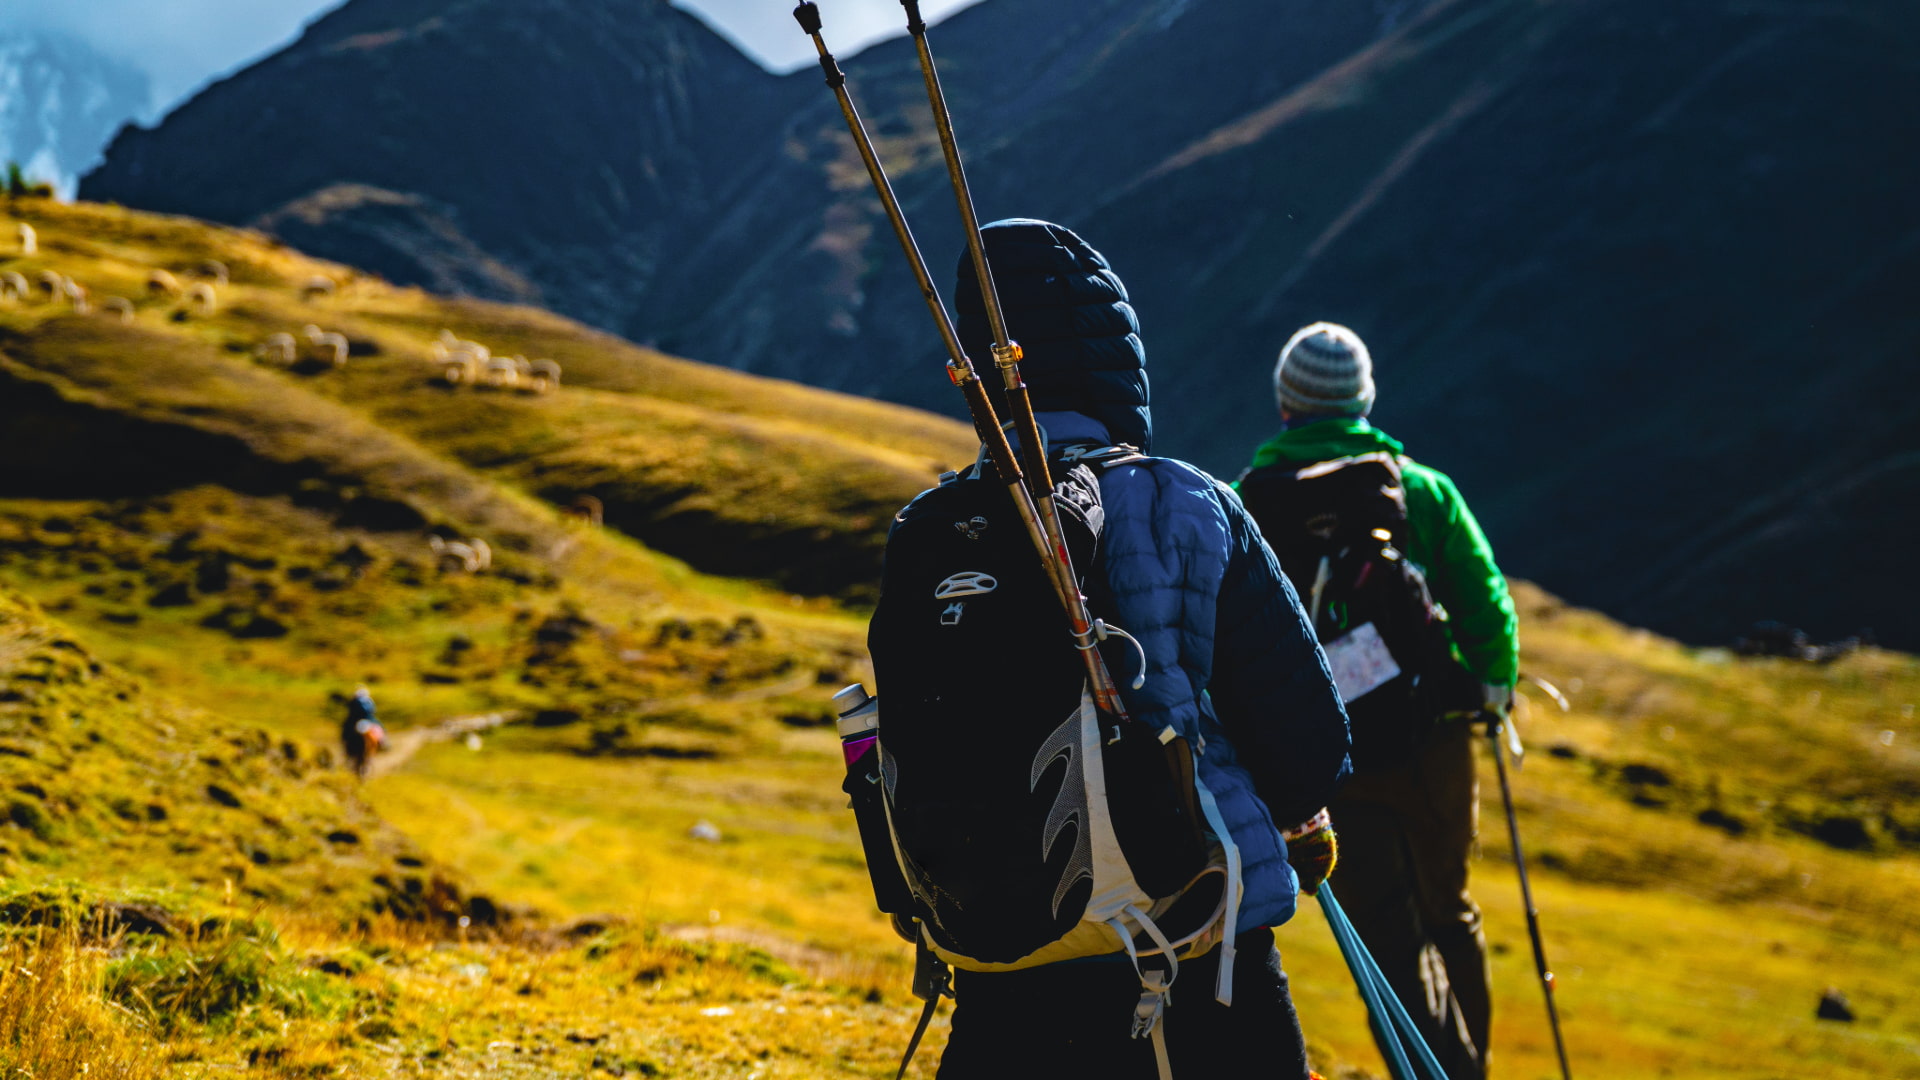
1270, 685
1467, 582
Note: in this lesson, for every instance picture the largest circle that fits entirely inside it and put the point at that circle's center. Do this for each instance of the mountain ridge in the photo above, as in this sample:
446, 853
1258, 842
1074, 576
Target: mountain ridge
1588, 242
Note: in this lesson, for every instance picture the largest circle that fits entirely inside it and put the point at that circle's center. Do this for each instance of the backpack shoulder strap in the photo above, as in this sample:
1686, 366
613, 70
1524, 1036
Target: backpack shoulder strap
1322, 468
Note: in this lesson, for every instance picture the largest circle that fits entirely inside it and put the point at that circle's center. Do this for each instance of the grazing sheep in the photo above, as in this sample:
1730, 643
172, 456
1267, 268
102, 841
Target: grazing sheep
280, 349
160, 283
588, 509
52, 284
213, 270
317, 286
118, 305
453, 556
29, 240
331, 348
76, 294
544, 376
462, 366
502, 373
13, 286
202, 296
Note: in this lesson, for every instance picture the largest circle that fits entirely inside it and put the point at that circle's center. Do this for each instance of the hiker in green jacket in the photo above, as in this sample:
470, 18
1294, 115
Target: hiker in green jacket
1407, 824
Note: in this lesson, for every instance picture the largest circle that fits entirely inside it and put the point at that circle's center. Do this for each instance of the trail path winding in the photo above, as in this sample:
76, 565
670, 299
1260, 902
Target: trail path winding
401, 746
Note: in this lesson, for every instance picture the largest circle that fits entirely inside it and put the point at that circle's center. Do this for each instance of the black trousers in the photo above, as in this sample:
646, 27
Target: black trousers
1074, 1020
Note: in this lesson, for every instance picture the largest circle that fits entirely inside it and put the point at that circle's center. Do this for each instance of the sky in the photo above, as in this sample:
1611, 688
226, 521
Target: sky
182, 44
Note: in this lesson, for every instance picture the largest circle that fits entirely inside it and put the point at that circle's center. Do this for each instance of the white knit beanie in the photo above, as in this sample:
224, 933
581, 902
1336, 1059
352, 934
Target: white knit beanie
1325, 370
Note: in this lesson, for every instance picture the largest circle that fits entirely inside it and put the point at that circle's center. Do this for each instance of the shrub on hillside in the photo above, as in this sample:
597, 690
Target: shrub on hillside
19, 187
213, 984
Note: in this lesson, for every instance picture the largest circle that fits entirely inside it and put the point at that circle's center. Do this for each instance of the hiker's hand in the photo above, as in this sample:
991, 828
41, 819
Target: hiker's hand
1312, 849
1496, 700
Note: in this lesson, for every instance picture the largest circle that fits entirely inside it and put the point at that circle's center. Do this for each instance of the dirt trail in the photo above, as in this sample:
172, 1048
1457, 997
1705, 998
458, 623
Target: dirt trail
401, 746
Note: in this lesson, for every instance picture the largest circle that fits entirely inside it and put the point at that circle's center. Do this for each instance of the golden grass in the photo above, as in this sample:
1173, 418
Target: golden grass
1674, 818
54, 1020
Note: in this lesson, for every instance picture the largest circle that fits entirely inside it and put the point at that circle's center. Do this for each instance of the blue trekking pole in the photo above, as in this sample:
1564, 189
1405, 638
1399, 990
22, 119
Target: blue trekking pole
1400, 1041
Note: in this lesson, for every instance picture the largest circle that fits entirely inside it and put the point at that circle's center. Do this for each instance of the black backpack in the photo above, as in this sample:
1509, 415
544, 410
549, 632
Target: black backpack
996, 809
1340, 529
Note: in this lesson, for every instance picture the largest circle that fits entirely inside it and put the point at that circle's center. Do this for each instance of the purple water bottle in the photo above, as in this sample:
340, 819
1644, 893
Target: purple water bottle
859, 722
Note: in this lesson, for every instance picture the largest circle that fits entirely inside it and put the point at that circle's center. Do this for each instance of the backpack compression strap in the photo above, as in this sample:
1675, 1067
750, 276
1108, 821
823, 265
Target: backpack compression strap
932, 980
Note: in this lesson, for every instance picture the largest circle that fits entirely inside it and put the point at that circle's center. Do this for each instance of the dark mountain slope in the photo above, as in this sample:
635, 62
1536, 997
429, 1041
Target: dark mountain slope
1631, 271
552, 149
1056, 106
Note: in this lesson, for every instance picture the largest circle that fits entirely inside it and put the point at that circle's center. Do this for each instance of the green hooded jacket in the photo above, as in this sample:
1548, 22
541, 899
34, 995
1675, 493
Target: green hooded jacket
1446, 541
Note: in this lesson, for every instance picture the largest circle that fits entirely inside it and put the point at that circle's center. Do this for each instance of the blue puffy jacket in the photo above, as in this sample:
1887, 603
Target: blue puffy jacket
1231, 660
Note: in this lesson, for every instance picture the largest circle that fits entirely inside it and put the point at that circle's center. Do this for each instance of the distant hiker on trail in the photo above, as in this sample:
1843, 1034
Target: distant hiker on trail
1420, 635
360, 733
1230, 664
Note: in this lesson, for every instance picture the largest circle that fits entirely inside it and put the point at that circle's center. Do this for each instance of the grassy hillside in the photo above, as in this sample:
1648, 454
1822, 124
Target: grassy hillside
617, 767
735, 474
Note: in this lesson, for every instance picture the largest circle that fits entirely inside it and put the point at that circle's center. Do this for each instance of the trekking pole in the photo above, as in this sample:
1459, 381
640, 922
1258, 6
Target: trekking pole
1494, 725
1401, 1042
1006, 352
960, 371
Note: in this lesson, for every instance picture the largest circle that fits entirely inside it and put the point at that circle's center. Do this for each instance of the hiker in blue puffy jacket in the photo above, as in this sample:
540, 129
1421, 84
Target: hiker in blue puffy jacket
1231, 662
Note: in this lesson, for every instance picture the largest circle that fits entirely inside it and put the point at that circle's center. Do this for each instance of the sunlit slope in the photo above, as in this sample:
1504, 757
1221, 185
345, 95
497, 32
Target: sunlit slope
733, 473
1674, 820
136, 793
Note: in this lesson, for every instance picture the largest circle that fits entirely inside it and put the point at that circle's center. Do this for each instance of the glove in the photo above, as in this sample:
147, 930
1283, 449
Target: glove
1312, 849
1496, 700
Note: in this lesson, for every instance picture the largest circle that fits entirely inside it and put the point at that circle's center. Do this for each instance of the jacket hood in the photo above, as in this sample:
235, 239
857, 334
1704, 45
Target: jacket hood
1069, 313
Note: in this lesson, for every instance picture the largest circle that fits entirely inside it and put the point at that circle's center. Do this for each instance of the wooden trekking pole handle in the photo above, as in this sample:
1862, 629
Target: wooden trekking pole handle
1042, 526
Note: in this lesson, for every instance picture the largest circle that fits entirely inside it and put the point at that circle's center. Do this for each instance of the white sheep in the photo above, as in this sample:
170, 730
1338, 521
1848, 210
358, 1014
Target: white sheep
462, 366
454, 555
76, 294
118, 305
162, 283
543, 376
280, 349
29, 240
317, 286
333, 348
202, 296
214, 270
52, 284
13, 286
502, 373
482, 553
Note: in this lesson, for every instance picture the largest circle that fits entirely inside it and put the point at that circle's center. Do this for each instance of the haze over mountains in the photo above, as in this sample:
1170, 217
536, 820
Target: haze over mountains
1631, 271
59, 102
